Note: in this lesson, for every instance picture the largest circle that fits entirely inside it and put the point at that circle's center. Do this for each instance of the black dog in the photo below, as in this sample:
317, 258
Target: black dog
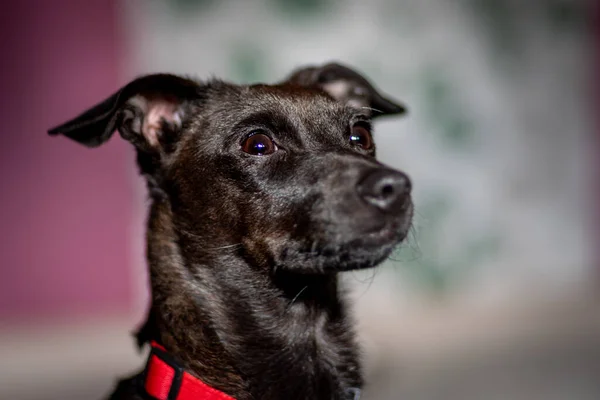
260, 195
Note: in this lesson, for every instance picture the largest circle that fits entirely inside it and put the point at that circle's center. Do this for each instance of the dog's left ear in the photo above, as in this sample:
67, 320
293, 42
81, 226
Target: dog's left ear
146, 112
348, 86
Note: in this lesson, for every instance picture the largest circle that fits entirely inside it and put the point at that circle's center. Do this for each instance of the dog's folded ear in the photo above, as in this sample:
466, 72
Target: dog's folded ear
143, 112
348, 86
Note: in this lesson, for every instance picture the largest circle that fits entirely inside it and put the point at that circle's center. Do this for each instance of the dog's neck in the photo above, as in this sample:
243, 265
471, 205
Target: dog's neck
250, 334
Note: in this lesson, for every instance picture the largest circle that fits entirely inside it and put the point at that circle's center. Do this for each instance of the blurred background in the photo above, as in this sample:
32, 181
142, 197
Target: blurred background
495, 295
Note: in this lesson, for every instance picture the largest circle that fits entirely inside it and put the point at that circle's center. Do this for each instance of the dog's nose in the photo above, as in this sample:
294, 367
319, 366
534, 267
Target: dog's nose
386, 189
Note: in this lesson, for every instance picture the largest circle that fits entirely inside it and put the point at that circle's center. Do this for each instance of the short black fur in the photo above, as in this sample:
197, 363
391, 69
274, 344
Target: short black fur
244, 250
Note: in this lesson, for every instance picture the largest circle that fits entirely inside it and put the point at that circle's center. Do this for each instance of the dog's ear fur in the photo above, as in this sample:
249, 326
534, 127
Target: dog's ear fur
348, 86
142, 111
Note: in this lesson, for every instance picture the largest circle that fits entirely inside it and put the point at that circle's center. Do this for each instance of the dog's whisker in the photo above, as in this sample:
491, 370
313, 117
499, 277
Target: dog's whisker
412, 243
370, 281
297, 295
224, 247
227, 246
372, 109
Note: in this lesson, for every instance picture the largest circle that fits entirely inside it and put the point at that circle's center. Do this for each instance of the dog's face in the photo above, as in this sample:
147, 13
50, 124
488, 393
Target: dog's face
285, 174
291, 175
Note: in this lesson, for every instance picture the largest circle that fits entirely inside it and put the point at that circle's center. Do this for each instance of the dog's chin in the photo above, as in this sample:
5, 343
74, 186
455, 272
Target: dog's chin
366, 250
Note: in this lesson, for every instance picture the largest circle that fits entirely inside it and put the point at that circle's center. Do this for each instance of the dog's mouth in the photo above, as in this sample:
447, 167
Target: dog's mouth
387, 232
344, 252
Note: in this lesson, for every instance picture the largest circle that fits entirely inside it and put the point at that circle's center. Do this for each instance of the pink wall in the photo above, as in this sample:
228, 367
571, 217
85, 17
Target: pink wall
65, 215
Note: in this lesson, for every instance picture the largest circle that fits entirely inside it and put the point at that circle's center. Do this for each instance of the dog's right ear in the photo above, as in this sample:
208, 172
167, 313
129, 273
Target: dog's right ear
347, 86
143, 112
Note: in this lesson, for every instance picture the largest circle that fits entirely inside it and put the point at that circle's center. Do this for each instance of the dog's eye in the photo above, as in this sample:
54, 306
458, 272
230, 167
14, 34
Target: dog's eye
258, 144
361, 137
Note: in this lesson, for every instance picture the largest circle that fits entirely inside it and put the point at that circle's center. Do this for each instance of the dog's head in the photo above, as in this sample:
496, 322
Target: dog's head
284, 174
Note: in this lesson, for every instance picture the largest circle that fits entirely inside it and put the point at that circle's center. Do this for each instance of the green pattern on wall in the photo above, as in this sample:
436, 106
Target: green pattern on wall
448, 120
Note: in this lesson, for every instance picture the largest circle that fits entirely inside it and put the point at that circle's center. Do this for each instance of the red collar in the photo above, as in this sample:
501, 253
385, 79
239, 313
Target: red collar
165, 379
